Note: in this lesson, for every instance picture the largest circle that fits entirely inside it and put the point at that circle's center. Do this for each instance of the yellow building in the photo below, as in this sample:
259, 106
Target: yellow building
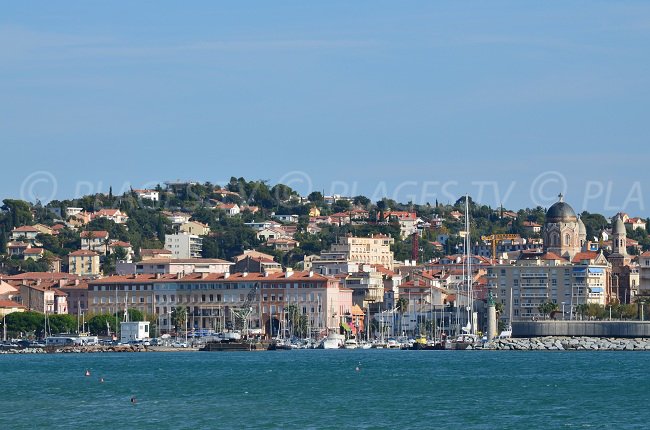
195, 227
9, 306
84, 263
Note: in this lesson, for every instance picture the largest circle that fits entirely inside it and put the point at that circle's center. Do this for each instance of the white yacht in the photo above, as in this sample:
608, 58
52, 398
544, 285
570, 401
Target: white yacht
333, 341
350, 344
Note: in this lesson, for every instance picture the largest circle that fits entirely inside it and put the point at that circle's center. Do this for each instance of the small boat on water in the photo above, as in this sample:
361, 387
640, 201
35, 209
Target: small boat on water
463, 341
333, 341
350, 344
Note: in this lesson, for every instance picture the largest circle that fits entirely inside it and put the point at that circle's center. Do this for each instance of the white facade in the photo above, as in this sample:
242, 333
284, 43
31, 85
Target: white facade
184, 245
134, 331
148, 194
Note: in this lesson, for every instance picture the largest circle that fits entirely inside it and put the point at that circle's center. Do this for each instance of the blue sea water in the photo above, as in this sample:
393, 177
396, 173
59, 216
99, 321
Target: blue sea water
322, 389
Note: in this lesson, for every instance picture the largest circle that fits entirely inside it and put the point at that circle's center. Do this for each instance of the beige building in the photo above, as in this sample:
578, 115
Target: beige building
350, 252
195, 227
183, 265
42, 298
539, 277
184, 245
84, 263
562, 273
153, 254
96, 241
213, 299
644, 273
9, 306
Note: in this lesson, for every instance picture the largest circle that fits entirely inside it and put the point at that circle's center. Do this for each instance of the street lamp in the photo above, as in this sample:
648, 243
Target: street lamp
563, 303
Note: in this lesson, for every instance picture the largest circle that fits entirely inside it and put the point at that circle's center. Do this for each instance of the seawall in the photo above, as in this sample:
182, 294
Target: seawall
610, 329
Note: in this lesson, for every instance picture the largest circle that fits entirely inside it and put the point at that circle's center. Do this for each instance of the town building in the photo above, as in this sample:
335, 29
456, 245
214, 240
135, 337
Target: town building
9, 306
84, 263
213, 300
346, 255
115, 215
182, 265
563, 272
96, 241
43, 298
184, 245
256, 264
26, 233
195, 228
644, 272
152, 195
152, 254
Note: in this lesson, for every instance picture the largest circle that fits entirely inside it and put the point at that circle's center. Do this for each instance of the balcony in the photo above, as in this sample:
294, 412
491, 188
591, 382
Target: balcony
530, 305
534, 275
542, 285
534, 295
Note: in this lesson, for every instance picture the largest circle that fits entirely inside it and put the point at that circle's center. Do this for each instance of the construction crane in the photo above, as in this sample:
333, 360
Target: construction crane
244, 311
498, 238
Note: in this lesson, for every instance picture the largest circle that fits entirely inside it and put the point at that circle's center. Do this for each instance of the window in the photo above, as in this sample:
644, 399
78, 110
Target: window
567, 239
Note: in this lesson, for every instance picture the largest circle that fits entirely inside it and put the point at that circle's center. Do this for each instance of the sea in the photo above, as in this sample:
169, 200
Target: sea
326, 389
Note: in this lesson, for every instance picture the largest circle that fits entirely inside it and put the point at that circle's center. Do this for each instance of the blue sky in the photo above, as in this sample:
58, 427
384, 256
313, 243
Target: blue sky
509, 101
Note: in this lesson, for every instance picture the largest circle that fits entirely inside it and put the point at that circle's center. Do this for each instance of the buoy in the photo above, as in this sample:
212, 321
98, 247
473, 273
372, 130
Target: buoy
87, 372
101, 380
134, 400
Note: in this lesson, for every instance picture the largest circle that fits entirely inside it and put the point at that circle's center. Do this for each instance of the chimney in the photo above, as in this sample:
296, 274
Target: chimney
158, 275
62, 282
245, 274
179, 275
288, 273
204, 275
76, 282
226, 275
311, 273
266, 274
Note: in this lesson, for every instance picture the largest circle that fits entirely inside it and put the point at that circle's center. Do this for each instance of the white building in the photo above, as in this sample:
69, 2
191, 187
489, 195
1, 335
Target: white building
184, 245
180, 265
152, 195
134, 331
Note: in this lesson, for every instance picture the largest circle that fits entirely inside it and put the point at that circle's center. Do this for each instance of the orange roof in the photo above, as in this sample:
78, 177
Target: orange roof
212, 277
586, 255
10, 304
34, 251
94, 234
551, 256
120, 244
82, 252
26, 229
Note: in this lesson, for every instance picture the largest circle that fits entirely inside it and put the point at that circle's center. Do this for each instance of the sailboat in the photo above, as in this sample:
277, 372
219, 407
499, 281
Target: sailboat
468, 337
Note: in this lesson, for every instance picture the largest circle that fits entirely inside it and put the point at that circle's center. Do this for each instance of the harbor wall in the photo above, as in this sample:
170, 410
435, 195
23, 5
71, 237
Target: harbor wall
618, 329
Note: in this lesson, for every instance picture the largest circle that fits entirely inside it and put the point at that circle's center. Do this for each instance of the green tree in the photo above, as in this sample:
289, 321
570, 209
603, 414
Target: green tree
548, 308
101, 323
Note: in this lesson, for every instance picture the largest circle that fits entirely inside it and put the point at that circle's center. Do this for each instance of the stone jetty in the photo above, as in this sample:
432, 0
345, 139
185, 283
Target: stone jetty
556, 343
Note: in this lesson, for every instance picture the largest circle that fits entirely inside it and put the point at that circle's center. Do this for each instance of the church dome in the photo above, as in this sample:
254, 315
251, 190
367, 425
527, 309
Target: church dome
617, 225
561, 212
581, 227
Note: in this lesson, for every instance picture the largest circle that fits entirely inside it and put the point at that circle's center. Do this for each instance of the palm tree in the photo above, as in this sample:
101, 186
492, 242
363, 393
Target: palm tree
179, 317
548, 308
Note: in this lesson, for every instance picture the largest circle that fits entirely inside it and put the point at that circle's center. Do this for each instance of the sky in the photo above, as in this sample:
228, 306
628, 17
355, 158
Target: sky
510, 102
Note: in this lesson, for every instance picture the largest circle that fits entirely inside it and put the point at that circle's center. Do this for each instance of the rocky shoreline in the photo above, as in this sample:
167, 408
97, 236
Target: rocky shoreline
94, 349
558, 343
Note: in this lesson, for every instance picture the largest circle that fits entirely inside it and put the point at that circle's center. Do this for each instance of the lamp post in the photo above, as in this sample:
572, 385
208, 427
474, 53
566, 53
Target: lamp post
563, 303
